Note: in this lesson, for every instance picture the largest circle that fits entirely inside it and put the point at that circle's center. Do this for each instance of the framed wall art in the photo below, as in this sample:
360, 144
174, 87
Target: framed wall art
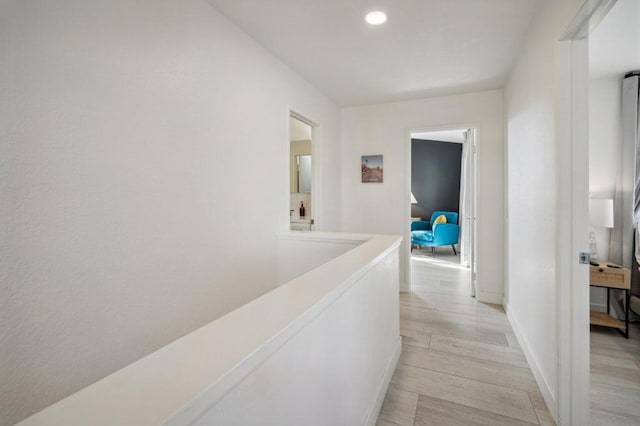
372, 170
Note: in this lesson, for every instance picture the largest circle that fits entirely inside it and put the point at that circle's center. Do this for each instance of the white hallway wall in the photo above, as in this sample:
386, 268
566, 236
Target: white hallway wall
605, 143
530, 105
134, 191
379, 207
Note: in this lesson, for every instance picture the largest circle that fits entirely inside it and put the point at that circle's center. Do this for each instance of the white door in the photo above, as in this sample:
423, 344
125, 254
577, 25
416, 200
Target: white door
470, 210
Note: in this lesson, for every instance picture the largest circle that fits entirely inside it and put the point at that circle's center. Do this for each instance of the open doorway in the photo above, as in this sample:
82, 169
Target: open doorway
574, 185
442, 205
301, 181
614, 80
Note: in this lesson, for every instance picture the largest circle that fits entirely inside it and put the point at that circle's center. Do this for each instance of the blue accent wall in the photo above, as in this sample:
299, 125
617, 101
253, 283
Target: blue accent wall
435, 176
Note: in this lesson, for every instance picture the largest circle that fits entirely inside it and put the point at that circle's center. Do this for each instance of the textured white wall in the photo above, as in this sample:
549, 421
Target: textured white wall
530, 105
134, 191
379, 208
529, 98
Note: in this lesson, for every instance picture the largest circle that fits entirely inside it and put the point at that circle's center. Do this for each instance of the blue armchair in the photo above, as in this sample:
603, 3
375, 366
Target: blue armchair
445, 234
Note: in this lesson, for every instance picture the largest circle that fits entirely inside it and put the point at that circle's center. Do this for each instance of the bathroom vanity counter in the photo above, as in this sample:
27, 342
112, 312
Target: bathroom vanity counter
300, 223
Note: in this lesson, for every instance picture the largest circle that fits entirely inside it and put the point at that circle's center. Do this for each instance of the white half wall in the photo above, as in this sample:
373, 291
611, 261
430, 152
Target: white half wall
137, 202
297, 254
318, 350
336, 370
379, 207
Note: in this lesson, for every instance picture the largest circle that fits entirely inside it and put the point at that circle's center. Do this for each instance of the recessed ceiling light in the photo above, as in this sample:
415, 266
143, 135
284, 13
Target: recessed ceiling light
376, 17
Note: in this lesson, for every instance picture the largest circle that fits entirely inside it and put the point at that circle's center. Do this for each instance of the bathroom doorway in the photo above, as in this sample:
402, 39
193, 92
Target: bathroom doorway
301, 173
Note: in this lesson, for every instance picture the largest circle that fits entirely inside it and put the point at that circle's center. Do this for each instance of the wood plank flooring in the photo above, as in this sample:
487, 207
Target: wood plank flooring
615, 377
461, 363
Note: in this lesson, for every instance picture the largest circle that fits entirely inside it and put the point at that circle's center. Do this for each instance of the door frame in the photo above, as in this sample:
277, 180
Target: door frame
572, 150
405, 285
316, 161
572, 301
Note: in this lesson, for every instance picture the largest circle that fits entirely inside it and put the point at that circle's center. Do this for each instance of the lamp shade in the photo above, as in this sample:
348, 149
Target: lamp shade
413, 199
601, 212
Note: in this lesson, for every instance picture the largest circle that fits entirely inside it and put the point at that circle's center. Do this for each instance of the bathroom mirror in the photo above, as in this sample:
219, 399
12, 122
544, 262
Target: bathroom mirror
300, 167
303, 173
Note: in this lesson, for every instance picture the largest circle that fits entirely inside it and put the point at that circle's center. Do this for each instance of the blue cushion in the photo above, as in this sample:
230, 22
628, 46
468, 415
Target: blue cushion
422, 235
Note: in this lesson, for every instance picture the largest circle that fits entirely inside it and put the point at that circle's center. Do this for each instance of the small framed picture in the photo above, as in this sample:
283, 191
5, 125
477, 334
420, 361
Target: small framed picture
372, 170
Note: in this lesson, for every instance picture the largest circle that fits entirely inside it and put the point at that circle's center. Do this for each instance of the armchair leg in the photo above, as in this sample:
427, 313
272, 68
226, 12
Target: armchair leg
433, 252
453, 246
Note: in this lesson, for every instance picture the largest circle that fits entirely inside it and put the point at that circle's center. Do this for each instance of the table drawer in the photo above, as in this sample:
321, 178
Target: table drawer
609, 277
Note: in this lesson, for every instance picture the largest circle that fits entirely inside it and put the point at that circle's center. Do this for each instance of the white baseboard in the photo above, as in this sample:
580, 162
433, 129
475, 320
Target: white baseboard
601, 307
374, 411
543, 384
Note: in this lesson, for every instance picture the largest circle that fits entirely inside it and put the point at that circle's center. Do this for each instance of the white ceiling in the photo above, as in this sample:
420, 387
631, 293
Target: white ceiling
614, 46
426, 48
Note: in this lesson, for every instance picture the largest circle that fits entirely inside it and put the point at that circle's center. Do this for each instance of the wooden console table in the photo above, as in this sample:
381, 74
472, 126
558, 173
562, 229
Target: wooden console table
609, 276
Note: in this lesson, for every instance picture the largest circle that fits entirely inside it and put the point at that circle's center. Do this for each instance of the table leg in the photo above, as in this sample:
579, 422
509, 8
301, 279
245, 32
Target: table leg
626, 312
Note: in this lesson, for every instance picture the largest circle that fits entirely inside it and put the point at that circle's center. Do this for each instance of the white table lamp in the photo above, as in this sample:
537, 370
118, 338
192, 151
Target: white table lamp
601, 216
601, 213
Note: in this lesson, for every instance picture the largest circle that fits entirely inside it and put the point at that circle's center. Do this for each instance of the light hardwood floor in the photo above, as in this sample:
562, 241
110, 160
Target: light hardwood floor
615, 377
461, 363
